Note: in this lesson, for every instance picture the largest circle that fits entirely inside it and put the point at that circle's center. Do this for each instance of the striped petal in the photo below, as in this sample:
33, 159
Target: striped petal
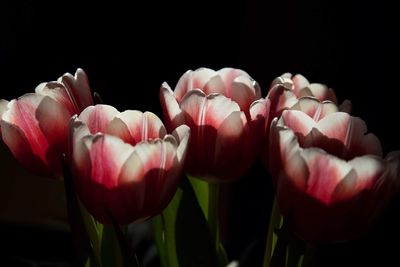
133, 126
98, 117
78, 89
37, 125
315, 108
172, 113
58, 92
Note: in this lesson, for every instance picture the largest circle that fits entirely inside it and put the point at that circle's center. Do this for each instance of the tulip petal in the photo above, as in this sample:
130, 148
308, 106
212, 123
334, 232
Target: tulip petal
171, 110
215, 85
298, 121
283, 80
207, 110
290, 153
346, 106
244, 91
78, 88
281, 98
315, 108
181, 135
350, 131
228, 76
259, 109
59, 93
322, 92
98, 117
3, 107
77, 130
325, 173
157, 157
97, 180
299, 82
133, 126
368, 168
230, 146
39, 127
193, 80
20, 147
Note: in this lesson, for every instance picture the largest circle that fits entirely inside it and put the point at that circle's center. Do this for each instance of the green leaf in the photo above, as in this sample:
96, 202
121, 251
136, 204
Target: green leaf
182, 233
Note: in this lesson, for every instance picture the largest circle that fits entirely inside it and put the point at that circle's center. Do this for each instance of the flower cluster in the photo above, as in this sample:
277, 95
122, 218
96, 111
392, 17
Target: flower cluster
330, 178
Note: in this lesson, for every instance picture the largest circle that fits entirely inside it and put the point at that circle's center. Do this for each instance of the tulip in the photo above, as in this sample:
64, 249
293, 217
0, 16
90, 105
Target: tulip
35, 125
330, 178
286, 91
225, 113
124, 164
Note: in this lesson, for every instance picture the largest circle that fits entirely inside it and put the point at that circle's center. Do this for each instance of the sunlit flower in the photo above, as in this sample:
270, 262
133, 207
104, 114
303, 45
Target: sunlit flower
125, 165
35, 125
225, 112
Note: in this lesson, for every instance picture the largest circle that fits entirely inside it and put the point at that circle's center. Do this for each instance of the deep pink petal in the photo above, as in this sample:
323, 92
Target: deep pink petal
99, 161
229, 159
98, 117
171, 110
78, 88
41, 124
325, 173
20, 147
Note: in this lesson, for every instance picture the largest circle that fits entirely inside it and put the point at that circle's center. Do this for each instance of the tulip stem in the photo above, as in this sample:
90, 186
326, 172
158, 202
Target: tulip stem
272, 238
213, 219
213, 222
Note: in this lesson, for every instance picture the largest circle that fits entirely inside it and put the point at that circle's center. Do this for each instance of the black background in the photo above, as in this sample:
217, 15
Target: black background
129, 49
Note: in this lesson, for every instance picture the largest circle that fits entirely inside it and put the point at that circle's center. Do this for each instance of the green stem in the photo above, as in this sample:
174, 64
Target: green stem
213, 216
274, 224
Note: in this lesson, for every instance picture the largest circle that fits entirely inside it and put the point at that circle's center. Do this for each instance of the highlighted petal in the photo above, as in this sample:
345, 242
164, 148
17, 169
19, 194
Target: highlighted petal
315, 108
172, 113
98, 117
59, 93
78, 88
322, 92
134, 126
181, 135
207, 110
299, 82
298, 121
244, 93
325, 173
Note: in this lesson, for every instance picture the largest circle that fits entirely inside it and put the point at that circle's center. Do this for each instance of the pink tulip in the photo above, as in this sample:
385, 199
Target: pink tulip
225, 114
330, 179
35, 126
124, 164
285, 92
